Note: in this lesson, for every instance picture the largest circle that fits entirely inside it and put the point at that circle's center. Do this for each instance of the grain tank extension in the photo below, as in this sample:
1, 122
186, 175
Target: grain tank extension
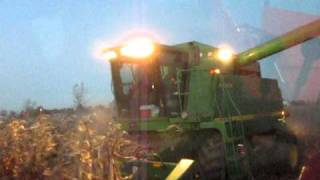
194, 101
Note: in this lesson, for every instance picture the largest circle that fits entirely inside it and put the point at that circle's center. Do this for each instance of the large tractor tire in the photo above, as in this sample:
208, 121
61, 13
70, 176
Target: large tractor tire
287, 146
277, 155
211, 158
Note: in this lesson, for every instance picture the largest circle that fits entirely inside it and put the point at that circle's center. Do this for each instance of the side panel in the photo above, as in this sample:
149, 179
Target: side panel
202, 94
229, 95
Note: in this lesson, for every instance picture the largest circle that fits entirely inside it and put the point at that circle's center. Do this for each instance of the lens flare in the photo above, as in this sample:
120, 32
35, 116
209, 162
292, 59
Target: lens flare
109, 55
138, 48
225, 55
101, 50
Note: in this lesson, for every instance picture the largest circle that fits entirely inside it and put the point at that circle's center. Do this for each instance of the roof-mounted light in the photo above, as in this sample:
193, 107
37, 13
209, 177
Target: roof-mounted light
138, 48
225, 55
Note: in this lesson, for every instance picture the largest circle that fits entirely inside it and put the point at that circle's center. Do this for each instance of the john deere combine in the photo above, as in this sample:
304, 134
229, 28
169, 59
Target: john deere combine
204, 107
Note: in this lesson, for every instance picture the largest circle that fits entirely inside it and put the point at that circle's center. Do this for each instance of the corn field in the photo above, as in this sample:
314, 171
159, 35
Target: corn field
84, 147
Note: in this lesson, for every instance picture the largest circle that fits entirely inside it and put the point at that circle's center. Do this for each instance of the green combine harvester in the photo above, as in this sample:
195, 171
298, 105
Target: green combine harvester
204, 112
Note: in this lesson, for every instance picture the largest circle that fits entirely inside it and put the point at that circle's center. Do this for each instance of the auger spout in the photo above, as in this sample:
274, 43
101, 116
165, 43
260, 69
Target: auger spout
289, 39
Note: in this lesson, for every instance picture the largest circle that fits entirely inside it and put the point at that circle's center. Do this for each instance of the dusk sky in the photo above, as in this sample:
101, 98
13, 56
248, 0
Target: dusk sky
47, 46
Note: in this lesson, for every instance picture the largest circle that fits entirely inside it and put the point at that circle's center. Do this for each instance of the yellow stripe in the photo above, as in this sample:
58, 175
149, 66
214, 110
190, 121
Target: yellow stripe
180, 169
249, 116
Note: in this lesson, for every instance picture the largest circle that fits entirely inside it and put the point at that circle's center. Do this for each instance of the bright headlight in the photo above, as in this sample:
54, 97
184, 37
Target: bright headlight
225, 55
138, 48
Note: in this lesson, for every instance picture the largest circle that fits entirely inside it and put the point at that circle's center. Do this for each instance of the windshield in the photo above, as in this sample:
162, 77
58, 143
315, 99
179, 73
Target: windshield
128, 74
152, 83
138, 85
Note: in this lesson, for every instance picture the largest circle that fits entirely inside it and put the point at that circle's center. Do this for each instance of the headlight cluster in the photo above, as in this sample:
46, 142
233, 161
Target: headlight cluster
137, 48
225, 55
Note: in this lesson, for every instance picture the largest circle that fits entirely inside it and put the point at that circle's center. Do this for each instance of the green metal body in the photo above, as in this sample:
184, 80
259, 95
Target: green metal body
281, 43
238, 103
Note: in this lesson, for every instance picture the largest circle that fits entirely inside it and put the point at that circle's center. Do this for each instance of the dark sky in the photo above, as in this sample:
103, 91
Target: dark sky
47, 46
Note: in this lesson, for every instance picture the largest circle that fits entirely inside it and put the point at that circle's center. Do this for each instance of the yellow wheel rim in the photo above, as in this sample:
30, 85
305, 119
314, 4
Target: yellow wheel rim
293, 156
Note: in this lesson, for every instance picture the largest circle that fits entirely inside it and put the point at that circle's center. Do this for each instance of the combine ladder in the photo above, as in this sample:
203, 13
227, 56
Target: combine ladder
236, 155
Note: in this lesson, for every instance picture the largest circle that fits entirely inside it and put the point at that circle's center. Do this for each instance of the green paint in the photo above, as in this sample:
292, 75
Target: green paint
279, 44
237, 103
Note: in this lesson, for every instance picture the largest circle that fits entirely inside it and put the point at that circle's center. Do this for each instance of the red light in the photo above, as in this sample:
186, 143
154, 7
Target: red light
215, 71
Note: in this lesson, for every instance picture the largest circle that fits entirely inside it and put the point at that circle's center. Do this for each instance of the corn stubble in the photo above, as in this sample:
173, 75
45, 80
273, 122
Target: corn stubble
84, 147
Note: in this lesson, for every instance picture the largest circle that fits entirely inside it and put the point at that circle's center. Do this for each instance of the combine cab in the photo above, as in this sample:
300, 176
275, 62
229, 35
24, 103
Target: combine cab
194, 101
